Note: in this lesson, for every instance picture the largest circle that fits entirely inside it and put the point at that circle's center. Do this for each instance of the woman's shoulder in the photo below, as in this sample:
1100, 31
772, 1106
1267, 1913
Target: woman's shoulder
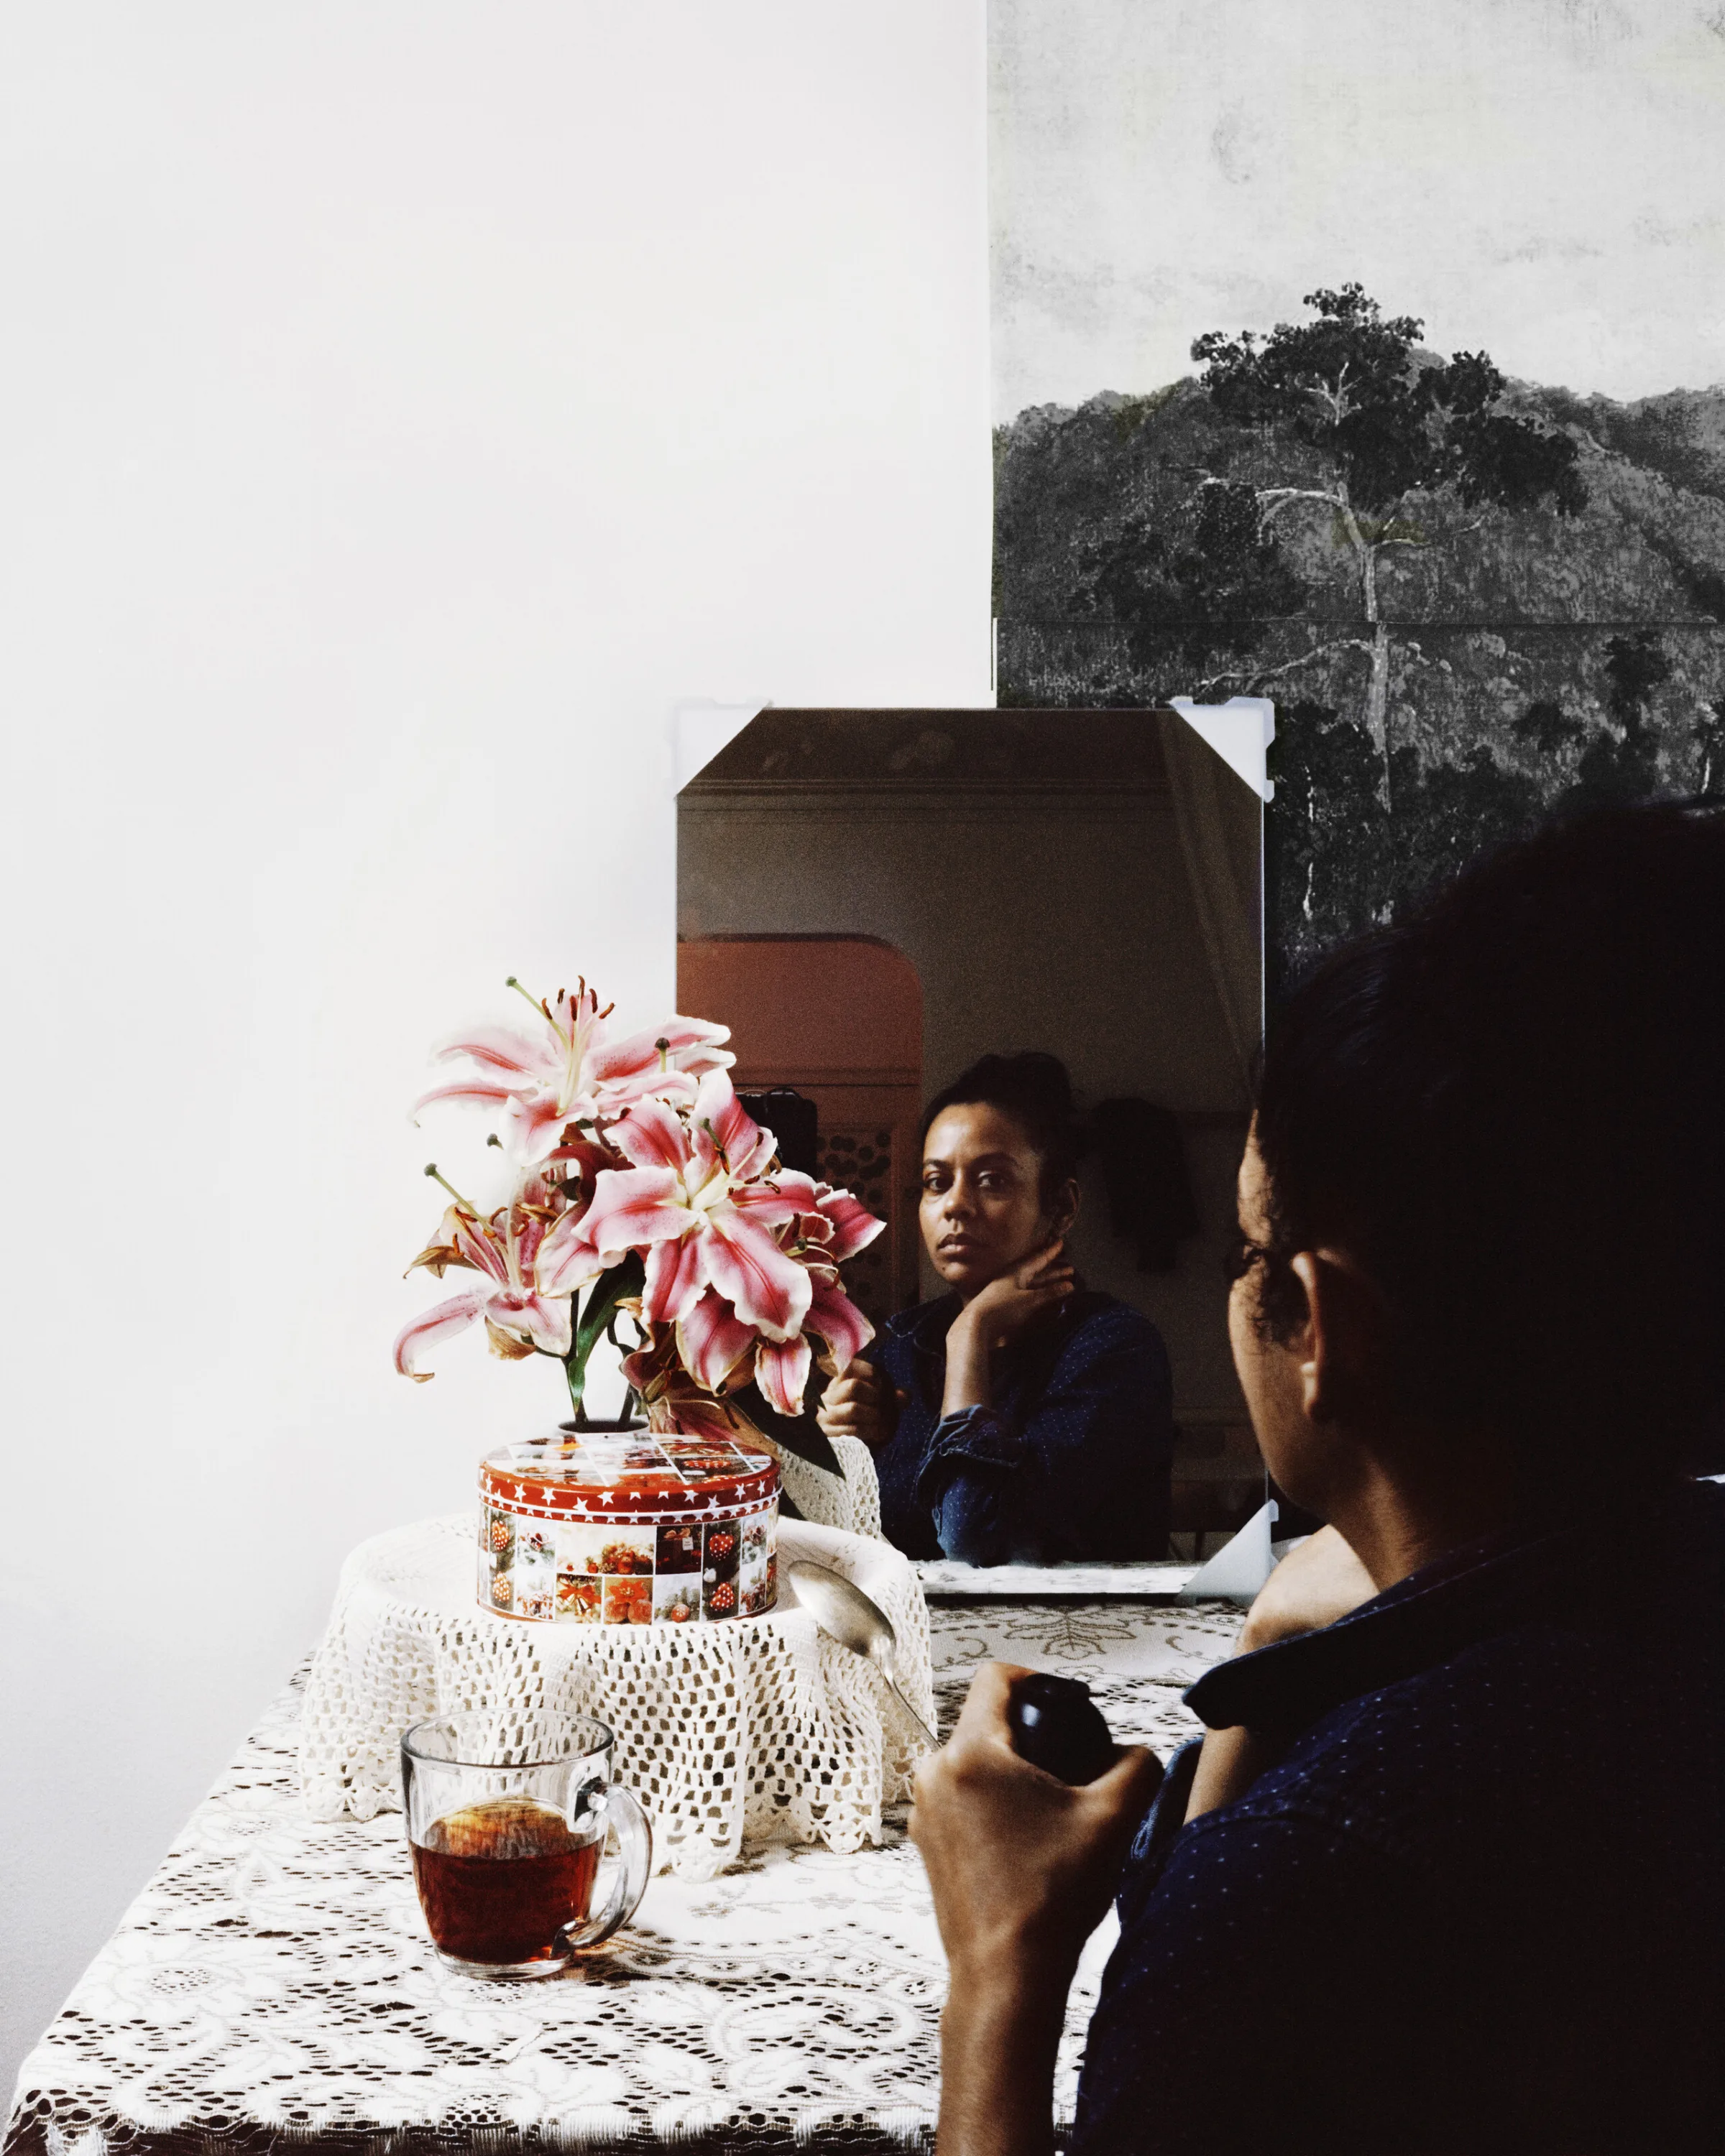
1101, 1338
922, 1325
1092, 1315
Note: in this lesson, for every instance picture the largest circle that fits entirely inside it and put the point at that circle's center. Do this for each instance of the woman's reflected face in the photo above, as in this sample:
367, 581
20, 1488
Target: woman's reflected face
982, 1211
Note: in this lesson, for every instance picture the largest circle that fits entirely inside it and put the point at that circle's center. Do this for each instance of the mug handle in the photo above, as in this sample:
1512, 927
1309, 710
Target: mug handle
620, 1809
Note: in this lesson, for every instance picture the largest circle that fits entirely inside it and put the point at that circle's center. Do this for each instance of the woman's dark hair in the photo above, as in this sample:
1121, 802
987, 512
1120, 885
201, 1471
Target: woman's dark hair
1035, 1090
1511, 1109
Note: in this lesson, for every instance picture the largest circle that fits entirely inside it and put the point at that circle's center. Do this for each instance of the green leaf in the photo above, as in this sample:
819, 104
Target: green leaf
626, 1278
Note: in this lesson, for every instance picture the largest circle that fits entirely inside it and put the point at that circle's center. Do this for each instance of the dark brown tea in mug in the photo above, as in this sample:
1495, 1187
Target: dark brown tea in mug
499, 1880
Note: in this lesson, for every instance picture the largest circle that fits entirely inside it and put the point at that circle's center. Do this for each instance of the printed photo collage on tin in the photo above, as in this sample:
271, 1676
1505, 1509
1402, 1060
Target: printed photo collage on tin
622, 1573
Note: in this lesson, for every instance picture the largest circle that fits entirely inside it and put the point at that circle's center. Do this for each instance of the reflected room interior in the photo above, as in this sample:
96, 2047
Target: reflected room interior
871, 900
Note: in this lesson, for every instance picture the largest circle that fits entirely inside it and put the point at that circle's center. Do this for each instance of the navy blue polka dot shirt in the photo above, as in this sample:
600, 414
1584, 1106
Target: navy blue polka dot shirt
1479, 1904
1069, 1460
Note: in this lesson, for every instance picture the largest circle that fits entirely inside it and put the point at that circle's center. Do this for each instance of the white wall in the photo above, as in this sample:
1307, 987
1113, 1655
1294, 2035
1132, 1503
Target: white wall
404, 404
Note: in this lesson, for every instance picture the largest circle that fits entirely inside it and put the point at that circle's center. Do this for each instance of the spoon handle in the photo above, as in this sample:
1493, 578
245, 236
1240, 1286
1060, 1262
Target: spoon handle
929, 1737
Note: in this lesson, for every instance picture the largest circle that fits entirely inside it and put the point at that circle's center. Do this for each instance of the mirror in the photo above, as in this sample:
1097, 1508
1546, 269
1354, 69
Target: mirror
871, 900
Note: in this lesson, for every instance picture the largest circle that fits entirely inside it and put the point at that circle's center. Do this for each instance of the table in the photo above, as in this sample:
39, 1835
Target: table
273, 1985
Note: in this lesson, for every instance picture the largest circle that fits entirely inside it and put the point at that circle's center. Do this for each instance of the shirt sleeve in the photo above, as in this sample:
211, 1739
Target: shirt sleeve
1266, 1994
1083, 1473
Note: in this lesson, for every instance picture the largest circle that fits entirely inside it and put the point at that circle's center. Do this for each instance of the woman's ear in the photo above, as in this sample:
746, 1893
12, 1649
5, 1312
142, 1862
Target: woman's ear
1339, 1350
1063, 1211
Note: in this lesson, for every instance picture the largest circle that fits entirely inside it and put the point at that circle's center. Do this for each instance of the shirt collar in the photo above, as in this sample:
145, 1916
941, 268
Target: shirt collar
1469, 1594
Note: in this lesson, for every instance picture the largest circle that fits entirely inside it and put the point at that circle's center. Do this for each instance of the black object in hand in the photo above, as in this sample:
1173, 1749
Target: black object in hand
1058, 1726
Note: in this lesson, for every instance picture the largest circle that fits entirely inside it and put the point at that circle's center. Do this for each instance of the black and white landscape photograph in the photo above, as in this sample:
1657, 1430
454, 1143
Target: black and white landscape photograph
1373, 360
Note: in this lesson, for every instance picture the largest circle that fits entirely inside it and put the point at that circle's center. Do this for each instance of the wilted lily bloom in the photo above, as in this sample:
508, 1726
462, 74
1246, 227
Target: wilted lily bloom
569, 1071
520, 1316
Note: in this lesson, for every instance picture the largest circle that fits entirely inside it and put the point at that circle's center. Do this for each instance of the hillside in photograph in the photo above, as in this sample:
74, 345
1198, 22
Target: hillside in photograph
1473, 600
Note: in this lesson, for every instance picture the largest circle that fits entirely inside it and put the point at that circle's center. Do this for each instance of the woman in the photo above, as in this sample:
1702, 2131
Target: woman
1019, 1418
1446, 1872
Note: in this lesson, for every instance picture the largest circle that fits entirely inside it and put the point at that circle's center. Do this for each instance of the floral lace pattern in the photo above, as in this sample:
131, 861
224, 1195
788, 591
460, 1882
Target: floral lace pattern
273, 1982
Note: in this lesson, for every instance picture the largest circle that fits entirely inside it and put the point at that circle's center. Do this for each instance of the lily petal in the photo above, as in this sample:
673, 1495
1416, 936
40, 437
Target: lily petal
651, 1135
770, 1290
762, 1202
639, 1368
803, 1190
479, 1250
781, 1371
634, 1206
441, 1323
840, 1325
691, 1044
442, 1250
676, 1274
501, 1048
567, 1258
532, 1124
721, 1125
854, 1226
711, 1339
542, 1319
697, 1414
475, 1092
508, 1346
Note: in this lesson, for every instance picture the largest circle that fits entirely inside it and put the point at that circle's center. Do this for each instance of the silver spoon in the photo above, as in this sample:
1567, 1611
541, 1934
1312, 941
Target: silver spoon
845, 1614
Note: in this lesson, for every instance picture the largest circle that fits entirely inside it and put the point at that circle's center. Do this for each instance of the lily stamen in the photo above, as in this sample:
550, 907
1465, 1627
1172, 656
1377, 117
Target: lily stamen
466, 1204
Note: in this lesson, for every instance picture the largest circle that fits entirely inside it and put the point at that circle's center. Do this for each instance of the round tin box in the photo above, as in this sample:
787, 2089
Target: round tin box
627, 1527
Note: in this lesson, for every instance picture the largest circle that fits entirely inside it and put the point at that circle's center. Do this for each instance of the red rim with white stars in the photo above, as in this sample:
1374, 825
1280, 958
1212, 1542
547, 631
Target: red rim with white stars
629, 1474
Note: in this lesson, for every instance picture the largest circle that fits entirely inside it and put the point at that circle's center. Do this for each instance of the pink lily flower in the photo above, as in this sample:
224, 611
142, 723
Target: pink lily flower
519, 1316
571, 1072
840, 1223
713, 1341
698, 1203
782, 1367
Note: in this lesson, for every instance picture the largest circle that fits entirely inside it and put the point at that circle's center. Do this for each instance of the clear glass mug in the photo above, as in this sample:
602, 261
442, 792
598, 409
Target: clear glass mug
507, 1821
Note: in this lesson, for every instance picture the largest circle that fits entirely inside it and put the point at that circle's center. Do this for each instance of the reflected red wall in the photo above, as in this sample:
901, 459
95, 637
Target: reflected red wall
839, 1019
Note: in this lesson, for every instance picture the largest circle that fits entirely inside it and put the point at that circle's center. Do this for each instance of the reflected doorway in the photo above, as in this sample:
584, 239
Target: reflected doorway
839, 1020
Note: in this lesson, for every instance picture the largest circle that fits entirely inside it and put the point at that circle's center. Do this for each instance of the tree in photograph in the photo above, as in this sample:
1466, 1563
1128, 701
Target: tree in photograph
1547, 725
1320, 885
1709, 735
1626, 766
1450, 812
1384, 423
1194, 592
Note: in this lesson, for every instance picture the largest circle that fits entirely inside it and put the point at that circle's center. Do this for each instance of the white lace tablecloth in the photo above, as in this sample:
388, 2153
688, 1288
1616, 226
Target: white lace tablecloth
274, 1986
757, 1728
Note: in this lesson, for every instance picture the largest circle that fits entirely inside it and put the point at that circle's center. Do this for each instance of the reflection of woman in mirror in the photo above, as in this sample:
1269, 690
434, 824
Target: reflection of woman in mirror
1020, 1417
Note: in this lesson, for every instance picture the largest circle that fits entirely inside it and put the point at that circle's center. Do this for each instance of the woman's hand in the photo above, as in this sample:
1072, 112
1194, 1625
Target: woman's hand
1001, 1310
997, 1314
1022, 1869
860, 1403
1314, 1585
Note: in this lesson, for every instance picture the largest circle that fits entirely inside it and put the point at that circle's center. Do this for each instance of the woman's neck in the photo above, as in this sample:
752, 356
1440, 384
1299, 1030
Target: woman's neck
1413, 1501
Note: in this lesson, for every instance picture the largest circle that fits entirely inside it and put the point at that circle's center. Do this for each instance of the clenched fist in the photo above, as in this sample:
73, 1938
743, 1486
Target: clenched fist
860, 1403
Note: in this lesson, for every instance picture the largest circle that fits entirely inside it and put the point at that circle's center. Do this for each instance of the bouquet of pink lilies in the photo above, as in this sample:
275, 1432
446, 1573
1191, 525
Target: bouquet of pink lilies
642, 1186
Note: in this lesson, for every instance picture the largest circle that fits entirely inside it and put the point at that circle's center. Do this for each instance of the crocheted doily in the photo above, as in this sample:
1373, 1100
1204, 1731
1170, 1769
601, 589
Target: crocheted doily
853, 1503
758, 1729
